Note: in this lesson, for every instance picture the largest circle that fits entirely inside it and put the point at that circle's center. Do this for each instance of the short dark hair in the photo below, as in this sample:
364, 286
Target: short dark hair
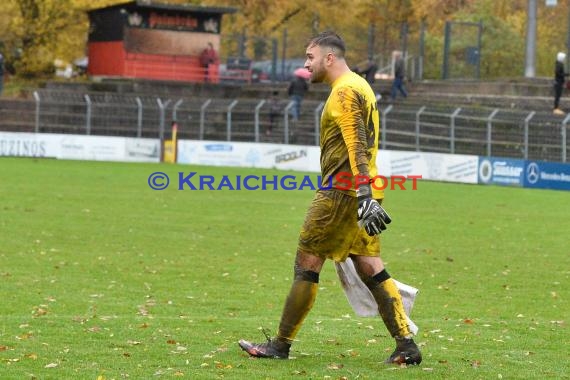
329, 39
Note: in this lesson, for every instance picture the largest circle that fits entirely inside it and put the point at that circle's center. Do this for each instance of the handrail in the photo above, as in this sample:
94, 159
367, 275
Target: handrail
256, 120
229, 119
203, 118
318, 111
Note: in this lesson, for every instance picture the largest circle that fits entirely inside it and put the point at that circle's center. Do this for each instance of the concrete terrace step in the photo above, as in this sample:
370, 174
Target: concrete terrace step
526, 103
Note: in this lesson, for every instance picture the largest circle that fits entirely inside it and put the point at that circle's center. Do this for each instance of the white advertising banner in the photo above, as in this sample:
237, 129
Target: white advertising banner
430, 166
79, 147
28, 145
252, 155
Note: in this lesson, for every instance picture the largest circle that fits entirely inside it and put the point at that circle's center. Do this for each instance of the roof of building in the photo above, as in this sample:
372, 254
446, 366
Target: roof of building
148, 4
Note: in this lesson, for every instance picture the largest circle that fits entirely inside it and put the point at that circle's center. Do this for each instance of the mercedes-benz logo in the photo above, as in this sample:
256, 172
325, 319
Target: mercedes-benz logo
532, 173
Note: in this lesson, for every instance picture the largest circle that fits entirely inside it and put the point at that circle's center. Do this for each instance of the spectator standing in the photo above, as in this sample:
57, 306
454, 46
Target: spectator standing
399, 75
298, 87
559, 79
208, 57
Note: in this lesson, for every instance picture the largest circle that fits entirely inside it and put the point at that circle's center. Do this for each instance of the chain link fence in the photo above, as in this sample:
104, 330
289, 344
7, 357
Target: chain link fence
481, 131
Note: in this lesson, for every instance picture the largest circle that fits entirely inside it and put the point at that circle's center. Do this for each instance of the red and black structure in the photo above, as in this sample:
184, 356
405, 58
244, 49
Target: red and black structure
141, 39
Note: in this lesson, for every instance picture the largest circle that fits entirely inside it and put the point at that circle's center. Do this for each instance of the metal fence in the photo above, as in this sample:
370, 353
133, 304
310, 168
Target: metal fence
496, 132
479, 131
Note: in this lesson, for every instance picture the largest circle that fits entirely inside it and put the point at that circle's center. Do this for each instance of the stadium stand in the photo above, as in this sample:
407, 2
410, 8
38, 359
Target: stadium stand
499, 119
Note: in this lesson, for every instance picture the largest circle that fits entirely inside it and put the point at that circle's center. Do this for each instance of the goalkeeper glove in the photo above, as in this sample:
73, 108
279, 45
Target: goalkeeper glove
370, 215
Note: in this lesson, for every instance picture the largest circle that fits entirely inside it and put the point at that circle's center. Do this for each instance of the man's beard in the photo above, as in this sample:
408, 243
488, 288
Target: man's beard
318, 74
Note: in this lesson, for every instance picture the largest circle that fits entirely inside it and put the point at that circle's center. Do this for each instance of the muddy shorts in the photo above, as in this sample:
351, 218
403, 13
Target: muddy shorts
331, 230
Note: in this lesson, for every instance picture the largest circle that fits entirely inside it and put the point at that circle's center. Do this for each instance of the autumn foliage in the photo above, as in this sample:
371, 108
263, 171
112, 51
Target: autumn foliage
33, 33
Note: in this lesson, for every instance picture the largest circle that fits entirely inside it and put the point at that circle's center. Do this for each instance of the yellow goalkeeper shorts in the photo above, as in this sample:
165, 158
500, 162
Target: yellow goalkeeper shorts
331, 230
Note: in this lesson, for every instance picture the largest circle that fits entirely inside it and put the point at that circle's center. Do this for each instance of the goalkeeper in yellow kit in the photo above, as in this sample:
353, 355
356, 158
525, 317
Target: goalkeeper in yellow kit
342, 222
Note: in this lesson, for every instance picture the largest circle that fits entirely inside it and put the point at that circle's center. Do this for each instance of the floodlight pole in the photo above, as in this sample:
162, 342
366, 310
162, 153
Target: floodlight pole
529, 71
568, 40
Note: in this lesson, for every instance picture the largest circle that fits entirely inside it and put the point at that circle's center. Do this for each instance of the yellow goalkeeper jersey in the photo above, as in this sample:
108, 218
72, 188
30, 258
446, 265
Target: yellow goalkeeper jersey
349, 134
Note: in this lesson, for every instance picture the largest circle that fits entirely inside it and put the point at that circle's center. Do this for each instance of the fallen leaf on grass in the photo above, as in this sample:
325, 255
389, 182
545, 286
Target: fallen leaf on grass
151, 301
31, 356
468, 321
24, 336
335, 366
223, 366
3, 348
475, 364
79, 319
51, 365
171, 341
39, 311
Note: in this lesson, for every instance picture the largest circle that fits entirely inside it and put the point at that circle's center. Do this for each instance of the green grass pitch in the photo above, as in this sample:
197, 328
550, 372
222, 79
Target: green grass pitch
103, 278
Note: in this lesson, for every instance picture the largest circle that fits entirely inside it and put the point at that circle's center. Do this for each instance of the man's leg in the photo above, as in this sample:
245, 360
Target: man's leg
372, 272
557, 95
394, 89
301, 296
297, 305
403, 89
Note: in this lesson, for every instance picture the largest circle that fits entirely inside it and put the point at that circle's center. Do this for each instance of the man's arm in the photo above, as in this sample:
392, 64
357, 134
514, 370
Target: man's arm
353, 129
370, 214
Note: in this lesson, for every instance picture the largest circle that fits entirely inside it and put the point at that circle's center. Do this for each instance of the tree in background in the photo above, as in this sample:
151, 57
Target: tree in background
33, 33
36, 32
